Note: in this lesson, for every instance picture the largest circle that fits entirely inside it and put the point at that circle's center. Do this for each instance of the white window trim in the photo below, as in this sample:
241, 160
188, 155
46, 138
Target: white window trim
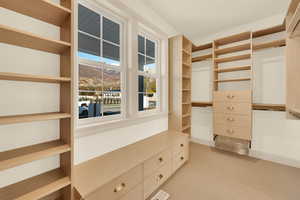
122, 68
143, 32
132, 24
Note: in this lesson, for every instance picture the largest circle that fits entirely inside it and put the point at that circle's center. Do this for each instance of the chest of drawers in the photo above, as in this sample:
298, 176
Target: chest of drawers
233, 114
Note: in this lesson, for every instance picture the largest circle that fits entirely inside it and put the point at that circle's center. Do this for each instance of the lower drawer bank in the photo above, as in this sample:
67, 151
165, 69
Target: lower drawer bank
133, 172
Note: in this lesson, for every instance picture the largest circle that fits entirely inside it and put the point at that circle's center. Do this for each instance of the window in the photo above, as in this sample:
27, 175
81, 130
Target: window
100, 65
148, 74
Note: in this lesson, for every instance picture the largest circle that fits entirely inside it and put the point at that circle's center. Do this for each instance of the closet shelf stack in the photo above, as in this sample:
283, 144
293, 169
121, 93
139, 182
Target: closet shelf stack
57, 183
292, 60
180, 55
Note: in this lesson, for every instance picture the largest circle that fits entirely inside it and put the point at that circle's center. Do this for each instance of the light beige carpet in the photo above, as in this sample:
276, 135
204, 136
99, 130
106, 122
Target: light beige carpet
216, 175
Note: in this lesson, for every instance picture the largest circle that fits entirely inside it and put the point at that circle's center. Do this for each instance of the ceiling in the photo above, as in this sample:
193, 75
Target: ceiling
199, 18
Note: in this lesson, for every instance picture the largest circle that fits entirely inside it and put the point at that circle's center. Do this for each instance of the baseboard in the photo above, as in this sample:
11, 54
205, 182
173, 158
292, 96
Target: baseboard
257, 154
204, 142
274, 158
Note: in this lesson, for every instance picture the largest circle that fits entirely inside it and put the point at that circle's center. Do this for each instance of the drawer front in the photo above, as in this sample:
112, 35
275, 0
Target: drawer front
135, 194
233, 120
157, 162
180, 144
156, 179
233, 96
120, 186
179, 159
233, 131
233, 108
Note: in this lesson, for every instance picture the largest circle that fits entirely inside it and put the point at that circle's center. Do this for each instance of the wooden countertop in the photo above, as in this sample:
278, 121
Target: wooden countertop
94, 173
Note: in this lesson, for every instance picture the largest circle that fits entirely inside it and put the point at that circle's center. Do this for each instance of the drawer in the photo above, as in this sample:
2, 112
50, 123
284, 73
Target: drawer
179, 159
119, 186
233, 96
156, 179
233, 120
233, 108
157, 161
233, 131
180, 144
135, 194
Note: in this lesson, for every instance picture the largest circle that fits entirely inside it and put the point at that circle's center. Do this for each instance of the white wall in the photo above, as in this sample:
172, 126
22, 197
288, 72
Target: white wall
27, 97
274, 137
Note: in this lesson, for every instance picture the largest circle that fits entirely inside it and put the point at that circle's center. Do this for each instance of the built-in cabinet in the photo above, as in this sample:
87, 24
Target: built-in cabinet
133, 172
293, 60
180, 87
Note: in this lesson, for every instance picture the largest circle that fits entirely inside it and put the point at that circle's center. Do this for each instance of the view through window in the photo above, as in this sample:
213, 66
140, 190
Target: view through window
148, 74
99, 49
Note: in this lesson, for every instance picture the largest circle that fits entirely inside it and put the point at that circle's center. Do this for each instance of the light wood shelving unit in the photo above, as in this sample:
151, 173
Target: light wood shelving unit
55, 184
180, 62
292, 60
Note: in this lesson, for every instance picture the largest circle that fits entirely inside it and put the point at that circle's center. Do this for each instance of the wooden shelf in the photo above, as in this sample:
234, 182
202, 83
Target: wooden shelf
233, 58
28, 40
201, 58
255, 106
43, 10
186, 52
202, 104
186, 127
234, 38
233, 49
186, 77
32, 117
268, 31
186, 64
233, 80
36, 187
273, 44
13, 158
233, 69
269, 107
202, 47
32, 78
294, 112
186, 115
186, 103
186, 90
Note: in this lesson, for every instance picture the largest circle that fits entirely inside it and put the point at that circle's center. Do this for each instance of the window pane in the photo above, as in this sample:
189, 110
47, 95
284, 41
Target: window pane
89, 104
111, 103
111, 31
90, 78
112, 80
147, 101
150, 46
89, 47
150, 84
111, 53
142, 85
142, 62
88, 21
150, 65
141, 101
141, 44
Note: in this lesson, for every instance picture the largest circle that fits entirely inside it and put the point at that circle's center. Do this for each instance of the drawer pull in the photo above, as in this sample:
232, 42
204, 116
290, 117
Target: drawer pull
181, 145
181, 158
161, 159
230, 131
230, 108
230, 119
160, 176
119, 187
230, 96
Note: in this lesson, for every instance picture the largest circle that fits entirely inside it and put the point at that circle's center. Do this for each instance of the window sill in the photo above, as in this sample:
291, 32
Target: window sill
95, 128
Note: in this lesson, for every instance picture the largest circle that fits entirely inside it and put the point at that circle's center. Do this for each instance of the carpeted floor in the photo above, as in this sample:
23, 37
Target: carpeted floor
215, 175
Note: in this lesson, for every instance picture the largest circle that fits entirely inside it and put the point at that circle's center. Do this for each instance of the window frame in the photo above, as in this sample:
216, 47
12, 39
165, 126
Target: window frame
147, 35
98, 64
